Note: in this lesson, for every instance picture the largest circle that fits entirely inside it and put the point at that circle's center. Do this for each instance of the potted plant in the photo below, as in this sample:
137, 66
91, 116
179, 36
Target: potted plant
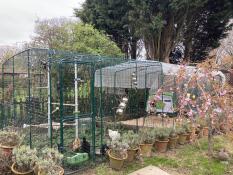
147, 139
117, 153
5, 164
204, 130
49, 162
24, 160
182, 136
173, 137
132, 140
162, 140
188, 130
223, 123
193, 128
8, 141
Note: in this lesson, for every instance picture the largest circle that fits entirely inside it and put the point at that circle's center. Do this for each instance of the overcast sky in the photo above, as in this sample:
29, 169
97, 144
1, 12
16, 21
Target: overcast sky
17, 17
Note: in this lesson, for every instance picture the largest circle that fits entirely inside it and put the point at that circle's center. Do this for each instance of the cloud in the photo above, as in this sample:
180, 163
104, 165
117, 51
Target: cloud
17, 17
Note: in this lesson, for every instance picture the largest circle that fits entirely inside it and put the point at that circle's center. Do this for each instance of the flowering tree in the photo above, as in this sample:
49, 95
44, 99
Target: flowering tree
201, 94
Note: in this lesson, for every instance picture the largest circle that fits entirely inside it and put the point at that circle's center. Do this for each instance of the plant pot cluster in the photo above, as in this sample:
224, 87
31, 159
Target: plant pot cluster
8, 141
21, 160
130, 145
125, 148
29, 161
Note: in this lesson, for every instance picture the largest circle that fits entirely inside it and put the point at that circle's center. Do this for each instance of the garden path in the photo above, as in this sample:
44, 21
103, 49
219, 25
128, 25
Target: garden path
149, 170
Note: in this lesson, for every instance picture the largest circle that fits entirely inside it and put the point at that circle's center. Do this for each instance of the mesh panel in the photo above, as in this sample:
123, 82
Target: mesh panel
102, 82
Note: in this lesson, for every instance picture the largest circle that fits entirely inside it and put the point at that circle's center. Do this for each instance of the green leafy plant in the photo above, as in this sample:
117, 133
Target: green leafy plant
131, 138
173, 133
9, 138
162, 134
49, 162
160, 105
25, 158
118, 147
181, 131
52, 154
5, 163
147, 136
187, 127
202, 122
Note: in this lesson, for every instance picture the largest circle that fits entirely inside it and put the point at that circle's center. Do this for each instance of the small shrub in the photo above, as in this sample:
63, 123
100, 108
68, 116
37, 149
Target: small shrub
147, 136
25, 158
52, 154
173, 133
10, 139
181, 130
162, 134
118, 146
49, 161
5, 163
186, 127
131, 139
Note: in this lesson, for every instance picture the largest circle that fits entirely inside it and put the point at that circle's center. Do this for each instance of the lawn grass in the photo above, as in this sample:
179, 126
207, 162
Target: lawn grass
185, 160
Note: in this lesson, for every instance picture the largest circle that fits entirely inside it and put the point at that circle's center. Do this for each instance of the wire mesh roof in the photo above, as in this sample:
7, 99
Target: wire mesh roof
147, 73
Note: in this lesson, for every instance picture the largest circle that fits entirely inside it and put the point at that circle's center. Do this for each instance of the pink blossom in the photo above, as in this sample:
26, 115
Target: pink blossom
190, 113
223, 93
158, 97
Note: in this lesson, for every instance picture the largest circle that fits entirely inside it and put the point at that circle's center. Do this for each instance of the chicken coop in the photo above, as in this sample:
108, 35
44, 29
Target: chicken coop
56, 97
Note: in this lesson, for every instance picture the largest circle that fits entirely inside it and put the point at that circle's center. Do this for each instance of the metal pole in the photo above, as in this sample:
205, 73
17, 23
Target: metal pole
3, 101
61, 106
101, 109
93, 110
29, 98
13, 98
76, 99
49, 104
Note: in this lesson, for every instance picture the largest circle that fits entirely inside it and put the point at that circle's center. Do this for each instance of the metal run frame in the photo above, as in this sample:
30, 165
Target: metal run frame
56, 61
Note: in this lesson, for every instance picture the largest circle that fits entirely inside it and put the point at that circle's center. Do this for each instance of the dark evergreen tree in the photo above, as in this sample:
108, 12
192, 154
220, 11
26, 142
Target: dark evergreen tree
161, 24
208, 27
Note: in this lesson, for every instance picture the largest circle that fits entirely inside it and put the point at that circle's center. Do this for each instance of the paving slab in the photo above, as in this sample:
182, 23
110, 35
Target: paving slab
149, 170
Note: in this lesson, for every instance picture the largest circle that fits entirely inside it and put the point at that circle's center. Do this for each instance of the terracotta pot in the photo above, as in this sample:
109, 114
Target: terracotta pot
172, 142
116, 163
146, 150
132, 154
30, 172
161, 146
7, 150
193, 130
222, 127
182, 138
189, 136
205, 131
61, 172
199, 133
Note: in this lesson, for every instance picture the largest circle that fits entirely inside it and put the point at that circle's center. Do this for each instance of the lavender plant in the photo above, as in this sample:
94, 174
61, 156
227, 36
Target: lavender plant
25, 158
49, 162
131, 138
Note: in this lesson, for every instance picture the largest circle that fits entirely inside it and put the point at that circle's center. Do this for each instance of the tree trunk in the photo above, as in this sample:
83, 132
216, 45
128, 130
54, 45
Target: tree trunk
167, 40
133, 50
210, 138
159, 47
188, 47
